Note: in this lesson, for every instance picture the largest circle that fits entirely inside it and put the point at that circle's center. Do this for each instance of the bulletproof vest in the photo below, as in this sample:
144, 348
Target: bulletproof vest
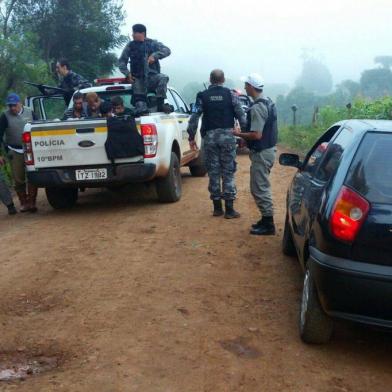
123, 140
138, 54
218, 110
14, 131
270, 131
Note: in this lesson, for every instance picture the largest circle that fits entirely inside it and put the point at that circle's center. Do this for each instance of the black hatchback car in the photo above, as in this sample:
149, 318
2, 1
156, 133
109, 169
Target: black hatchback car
339, 224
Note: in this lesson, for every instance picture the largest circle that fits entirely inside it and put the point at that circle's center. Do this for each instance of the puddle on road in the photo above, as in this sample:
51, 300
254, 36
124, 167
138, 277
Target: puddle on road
17, 366
241, 348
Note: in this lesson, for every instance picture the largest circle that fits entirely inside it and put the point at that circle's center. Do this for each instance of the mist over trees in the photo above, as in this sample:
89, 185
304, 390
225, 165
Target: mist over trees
309, 94
315, 77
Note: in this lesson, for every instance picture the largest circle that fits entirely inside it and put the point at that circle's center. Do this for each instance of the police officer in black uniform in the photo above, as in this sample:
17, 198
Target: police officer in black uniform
145, 74
219, 107
70, 81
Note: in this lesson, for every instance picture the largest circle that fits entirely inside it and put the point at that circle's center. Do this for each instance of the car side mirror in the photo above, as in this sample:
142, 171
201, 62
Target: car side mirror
290, 160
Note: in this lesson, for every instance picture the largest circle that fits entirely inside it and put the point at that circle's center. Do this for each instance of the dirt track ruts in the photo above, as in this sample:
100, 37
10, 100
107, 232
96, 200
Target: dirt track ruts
133, 295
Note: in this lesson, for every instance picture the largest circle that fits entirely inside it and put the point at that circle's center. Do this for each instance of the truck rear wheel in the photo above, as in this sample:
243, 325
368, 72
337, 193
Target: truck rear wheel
197, 166
169, 188
62, 198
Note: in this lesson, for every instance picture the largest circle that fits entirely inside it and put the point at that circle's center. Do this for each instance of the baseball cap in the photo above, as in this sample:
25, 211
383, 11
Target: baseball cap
12, 99
254, 80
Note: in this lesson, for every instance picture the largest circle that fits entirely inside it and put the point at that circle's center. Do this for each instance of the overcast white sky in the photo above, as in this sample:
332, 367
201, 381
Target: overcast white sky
267, 36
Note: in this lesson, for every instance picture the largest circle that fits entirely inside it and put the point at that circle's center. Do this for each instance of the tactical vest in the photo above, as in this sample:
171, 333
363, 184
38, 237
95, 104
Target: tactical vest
270, 131
138, 55
218, 110
14, 131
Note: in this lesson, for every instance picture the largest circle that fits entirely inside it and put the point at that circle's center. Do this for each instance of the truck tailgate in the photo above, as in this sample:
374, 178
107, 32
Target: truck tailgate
71, 143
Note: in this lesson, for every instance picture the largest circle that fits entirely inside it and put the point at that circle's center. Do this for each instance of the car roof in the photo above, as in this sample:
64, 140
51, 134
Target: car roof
367, 125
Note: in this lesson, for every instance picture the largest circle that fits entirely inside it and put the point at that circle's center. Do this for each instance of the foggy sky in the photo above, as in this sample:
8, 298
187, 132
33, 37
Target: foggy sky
267, 37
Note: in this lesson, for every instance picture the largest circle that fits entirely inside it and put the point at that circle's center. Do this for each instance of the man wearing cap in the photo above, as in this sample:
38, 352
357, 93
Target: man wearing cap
219, 107
261, 136
70, 81
145, 71
12, 123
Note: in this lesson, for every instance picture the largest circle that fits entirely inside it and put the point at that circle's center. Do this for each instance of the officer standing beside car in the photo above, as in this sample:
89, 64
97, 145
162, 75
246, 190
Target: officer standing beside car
219, 107
261, 135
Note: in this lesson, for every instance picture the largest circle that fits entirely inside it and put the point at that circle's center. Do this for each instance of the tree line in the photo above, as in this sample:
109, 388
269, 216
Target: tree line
313, 90
35, 33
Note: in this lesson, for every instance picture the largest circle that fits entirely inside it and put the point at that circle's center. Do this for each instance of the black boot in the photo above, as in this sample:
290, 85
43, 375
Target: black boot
230, 213
266, 227
218, 210
257, 224
141, 109
11, 209
164, 107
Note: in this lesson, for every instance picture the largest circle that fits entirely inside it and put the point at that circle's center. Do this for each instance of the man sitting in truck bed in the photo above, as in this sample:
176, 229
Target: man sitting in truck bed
119, 108
78, 109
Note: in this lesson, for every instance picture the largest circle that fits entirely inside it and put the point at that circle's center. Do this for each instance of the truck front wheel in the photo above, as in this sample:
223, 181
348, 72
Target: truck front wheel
169, 188
62, 198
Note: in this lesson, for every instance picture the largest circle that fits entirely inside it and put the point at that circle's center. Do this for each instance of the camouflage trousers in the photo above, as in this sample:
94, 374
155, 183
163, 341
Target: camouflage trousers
219, 147
156, 83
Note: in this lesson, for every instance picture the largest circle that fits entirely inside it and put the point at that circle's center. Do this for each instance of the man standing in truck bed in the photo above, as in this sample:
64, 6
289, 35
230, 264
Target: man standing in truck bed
145, 71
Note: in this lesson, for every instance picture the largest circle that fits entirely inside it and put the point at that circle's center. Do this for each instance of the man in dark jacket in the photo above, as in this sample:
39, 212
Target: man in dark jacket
144, 54
70, 81
219, 107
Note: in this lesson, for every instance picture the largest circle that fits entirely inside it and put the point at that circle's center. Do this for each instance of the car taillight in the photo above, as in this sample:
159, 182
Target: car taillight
150, 140
28, 148
348, 214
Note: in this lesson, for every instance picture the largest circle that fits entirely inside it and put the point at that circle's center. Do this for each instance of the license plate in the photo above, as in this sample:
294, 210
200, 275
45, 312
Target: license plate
91, 174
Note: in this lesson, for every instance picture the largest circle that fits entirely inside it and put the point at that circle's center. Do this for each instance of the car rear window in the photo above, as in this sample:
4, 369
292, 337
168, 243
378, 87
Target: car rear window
371, 171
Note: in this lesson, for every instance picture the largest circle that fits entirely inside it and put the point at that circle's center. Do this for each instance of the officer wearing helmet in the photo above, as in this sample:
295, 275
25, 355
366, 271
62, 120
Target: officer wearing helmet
261, 136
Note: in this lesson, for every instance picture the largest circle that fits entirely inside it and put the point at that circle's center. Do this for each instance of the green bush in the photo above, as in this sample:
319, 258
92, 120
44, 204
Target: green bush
301, 138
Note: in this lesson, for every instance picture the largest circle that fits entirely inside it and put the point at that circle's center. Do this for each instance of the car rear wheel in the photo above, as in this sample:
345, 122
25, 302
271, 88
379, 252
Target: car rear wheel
288, 246
315, 326
62, 198
169, 188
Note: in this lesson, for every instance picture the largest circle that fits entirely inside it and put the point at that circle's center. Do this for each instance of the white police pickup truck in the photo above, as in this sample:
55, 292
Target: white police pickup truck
66, 156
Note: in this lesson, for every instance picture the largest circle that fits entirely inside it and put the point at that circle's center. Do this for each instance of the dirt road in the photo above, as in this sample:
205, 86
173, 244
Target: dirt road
125, 294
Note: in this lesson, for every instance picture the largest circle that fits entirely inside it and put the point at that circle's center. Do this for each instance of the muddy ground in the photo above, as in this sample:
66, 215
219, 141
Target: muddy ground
125, 294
